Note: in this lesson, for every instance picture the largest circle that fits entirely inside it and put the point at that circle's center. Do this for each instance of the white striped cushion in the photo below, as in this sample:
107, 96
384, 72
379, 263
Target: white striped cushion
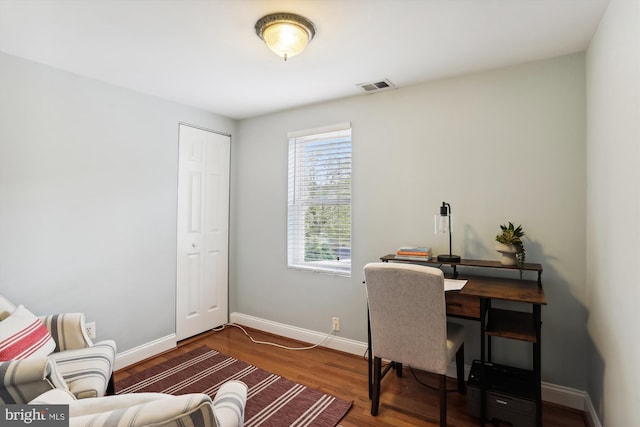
229, 403
23, 335
57, 396
134, 410
22, 380
87, 370
67, 331
143, 409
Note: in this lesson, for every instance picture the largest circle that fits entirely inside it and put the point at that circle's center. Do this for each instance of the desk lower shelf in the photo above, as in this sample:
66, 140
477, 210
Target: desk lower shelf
510, 324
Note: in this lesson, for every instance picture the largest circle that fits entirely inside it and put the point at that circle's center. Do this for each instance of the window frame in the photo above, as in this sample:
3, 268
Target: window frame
299, 169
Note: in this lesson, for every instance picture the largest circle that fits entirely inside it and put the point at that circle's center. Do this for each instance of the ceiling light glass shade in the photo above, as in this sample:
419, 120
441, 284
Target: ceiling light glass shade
286, 34
286, 40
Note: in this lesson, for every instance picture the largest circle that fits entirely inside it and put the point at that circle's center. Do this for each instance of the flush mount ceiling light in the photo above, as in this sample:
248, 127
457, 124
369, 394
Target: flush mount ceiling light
286, 34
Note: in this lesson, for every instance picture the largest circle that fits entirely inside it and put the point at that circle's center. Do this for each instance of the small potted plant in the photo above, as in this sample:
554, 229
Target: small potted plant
510, 245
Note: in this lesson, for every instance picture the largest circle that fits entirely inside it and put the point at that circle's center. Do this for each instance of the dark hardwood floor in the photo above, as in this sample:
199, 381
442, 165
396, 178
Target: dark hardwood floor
404, 401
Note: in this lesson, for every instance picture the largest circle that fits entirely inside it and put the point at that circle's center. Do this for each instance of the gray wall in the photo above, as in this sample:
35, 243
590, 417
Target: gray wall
613, 210
505, 145
88, 190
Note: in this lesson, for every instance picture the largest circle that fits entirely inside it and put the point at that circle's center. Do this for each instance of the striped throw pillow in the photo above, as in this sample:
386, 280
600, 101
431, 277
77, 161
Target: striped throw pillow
23, 335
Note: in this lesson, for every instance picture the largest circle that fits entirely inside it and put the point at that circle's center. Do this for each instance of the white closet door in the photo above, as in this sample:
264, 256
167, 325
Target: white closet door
203, 231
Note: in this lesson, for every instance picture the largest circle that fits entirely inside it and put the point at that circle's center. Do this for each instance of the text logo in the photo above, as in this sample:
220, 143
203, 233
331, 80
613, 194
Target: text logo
34, 415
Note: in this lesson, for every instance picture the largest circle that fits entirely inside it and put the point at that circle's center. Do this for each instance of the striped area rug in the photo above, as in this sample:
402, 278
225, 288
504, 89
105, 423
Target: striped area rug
272, 400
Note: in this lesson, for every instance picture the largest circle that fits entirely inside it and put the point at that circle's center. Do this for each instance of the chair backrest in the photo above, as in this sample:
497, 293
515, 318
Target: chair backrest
407, 313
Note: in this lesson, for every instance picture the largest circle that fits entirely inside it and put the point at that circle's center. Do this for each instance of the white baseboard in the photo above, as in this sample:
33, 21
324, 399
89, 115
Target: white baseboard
145, 351
557, 394
590, 411
337, 343
564, 396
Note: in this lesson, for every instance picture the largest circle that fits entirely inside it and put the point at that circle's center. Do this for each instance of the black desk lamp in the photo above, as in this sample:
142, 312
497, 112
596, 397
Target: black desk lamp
444, 225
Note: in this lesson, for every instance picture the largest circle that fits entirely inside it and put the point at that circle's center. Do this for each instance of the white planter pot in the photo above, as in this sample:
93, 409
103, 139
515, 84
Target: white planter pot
508, 254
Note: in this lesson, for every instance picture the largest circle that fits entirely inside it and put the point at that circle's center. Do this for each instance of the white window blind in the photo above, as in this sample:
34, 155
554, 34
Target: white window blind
319, 200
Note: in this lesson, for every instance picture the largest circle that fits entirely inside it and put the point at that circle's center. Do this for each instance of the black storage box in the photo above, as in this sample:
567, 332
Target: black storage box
510, 394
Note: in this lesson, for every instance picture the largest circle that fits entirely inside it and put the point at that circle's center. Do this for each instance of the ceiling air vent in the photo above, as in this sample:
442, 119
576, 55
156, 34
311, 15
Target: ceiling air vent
377, 86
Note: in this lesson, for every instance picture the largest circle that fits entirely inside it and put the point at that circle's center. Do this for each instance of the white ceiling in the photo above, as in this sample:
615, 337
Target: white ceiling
206, 53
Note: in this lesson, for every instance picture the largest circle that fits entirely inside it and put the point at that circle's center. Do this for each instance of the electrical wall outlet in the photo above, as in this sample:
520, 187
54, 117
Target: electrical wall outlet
91, 329
336, 323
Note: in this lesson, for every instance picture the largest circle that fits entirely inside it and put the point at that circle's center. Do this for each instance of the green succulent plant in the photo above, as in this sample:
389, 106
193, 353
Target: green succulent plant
512, 235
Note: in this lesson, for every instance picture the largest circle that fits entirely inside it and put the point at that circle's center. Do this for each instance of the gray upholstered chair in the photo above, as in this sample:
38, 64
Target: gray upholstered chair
407, 313
58, 354
154, 409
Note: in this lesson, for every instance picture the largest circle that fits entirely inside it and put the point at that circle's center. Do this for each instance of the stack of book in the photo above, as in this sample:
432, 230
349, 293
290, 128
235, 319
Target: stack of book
415, 253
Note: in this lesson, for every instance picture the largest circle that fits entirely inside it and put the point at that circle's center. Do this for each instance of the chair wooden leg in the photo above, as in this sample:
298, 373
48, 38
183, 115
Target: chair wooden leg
377, 374
460, 370
443, 401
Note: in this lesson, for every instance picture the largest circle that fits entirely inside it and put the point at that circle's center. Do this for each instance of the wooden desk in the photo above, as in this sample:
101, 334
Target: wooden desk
474, 302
